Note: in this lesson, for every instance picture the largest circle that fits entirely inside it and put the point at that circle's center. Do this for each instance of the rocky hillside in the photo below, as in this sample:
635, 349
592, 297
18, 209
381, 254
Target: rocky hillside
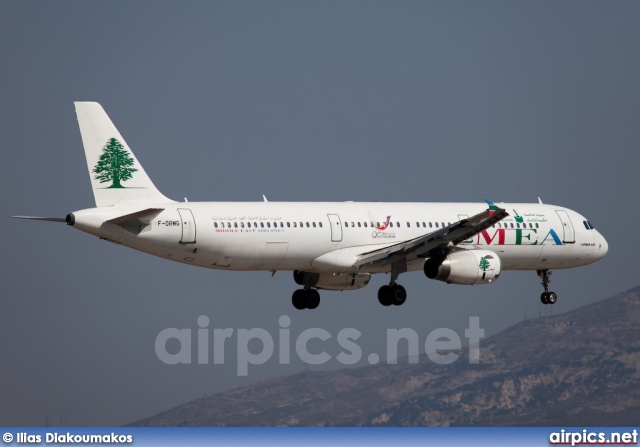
579, 368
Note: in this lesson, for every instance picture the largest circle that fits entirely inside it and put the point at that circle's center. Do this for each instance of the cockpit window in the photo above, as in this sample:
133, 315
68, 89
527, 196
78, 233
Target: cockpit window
586, 225
591, 226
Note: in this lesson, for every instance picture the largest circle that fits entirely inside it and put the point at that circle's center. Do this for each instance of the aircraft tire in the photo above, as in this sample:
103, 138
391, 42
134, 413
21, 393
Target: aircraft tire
398, 295
298, 299
384, 295
544, 298
312, 298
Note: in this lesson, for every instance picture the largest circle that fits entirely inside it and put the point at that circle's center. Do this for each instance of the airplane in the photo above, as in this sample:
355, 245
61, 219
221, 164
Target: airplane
327, 245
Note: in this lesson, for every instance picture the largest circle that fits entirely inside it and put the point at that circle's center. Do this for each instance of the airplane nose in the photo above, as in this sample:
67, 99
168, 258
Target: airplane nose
602, 247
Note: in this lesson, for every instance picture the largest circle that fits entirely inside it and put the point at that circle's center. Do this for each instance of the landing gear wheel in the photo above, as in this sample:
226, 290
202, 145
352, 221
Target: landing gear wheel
552, 297
384, 296
313, 298
298, 299
398, 295
544, 298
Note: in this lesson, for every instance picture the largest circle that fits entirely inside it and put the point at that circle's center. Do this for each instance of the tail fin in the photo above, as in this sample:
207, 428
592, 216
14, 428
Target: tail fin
116, 175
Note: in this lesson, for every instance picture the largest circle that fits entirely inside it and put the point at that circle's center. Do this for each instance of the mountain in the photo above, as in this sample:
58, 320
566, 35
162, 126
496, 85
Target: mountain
579, 368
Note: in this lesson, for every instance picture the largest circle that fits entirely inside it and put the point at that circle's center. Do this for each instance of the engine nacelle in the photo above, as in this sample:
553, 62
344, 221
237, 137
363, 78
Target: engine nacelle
464, 267
332, 281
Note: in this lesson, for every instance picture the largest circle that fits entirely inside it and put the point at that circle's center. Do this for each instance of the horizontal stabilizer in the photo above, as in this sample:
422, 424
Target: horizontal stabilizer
48, 219
136, 222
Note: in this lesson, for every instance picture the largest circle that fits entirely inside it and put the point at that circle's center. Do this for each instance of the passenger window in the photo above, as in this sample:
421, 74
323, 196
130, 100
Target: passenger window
537, 226
295, 225
518, 225
228, 224
359, 225
418, 224
261, 224
314, 224
320, 223
307, 224
424, 225
365, 225
242, 224
398, 224
378, 224
352, 225
512, 225
391, 224
346, 224
430, 224
443, 225
408, 225
215, 224
436, 224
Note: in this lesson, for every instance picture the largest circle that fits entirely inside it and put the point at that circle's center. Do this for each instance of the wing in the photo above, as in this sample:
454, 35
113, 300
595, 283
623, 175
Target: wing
421, 246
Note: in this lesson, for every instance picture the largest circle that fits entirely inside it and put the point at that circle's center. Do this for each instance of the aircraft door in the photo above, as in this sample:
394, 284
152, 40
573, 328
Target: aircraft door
336, 227
569, 234
188, 224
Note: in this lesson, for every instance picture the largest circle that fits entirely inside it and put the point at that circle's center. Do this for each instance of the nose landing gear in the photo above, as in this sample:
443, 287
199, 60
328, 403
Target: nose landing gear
547, 297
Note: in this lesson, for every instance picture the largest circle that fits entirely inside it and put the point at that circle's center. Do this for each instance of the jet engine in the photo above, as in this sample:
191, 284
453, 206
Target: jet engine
332, 281
464, 267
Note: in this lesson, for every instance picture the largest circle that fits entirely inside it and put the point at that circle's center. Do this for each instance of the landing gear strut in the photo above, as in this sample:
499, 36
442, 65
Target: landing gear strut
547, 297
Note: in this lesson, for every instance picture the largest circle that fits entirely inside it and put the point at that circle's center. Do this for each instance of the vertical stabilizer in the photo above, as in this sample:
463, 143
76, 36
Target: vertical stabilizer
116, 175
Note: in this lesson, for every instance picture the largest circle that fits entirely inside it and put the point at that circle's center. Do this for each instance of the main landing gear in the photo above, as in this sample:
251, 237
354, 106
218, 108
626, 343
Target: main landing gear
547, 297
392, 294
305, 298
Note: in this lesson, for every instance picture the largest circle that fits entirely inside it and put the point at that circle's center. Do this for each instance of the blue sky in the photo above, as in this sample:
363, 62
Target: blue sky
300, 101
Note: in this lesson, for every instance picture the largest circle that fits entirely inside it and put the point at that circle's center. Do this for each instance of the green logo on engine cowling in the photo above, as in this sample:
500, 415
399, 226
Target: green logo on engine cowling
484, 264
115, 165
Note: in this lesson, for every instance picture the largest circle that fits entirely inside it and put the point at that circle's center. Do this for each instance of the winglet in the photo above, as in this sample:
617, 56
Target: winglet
492, 207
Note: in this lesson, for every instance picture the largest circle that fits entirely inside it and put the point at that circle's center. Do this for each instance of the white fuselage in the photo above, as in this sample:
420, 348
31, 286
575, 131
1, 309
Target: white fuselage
327, 237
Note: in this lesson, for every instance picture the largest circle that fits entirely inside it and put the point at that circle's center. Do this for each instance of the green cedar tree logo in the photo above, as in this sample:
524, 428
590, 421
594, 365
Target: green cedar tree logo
484, 264
115, 164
